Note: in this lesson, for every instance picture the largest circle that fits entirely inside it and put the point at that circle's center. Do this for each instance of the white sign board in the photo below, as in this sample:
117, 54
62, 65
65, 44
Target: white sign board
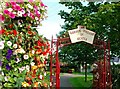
81, 34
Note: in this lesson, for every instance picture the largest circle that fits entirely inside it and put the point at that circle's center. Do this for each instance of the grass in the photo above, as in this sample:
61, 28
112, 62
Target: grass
82, 73
79, 82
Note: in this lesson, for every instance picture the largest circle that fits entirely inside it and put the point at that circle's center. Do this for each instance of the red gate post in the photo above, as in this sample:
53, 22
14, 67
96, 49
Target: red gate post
51, 57
57, 67
110, 78
104, 72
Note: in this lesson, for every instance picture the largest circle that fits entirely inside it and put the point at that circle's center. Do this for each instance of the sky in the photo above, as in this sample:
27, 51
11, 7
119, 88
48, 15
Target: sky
52, 25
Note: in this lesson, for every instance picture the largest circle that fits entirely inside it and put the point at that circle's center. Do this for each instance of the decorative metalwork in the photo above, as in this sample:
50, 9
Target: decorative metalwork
102, 73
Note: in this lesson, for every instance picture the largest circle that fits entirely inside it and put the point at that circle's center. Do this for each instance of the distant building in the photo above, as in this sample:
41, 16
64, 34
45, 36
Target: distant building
116, 60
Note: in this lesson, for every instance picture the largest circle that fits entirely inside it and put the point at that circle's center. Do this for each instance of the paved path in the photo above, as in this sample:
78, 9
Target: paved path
64, 80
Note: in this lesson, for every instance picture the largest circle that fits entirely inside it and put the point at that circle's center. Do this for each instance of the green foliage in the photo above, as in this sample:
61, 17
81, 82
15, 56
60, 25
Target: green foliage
116, 76
102, 18
79, 83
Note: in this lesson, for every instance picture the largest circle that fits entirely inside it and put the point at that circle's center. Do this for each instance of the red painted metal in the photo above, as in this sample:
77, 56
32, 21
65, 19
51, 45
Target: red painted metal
57, 67
104, 72
110, 78
101, 45
51, 57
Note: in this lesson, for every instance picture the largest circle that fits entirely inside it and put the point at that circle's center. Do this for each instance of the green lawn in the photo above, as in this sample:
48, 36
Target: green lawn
79, 82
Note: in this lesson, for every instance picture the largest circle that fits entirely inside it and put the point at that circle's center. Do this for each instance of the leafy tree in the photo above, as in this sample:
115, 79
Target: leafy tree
102, 18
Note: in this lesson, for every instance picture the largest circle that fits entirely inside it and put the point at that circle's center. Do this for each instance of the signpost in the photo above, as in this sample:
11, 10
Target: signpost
81, 34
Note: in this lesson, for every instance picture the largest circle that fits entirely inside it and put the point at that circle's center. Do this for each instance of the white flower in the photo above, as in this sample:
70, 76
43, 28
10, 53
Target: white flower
23, 12
42, 57
2, 73
45, 74
10, 9
29, 6
1, 45
25, 56
19, 13
33, 51
32, 63
6, 78
0, 69
36, 18
18, 60
9, 43
15, 52
15, 46
20, 25
28, 68
14, 12
37, 22
21, 69
21, 50
40, 76
50, 84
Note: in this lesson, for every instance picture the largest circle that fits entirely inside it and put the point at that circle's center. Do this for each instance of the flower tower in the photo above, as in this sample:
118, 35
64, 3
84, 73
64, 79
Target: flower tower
23, 52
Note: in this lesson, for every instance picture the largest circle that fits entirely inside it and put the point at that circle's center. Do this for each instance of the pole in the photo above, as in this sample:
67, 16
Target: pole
57, 67
104, 72
51, 57
110, 78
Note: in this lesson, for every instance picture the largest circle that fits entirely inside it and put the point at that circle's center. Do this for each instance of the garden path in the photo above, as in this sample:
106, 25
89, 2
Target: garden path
64, 80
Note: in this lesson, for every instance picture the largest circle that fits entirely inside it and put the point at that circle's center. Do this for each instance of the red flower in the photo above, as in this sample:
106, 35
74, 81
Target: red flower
2, 31
14, 32
29, 32
39, 43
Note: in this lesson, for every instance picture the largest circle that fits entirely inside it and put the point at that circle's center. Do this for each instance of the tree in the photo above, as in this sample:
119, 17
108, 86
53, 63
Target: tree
102, 18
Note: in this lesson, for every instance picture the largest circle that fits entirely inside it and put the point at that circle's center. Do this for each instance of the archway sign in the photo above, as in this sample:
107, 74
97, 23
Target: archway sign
76, 36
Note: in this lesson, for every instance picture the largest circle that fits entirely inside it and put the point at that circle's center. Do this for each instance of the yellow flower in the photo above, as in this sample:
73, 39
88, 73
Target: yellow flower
36, 84
25, 84
41, 65
34, 67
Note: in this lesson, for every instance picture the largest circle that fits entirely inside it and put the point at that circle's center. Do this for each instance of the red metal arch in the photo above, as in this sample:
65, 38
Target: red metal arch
60, 42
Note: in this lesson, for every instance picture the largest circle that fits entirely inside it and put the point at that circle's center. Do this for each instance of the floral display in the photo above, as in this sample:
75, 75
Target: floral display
24, 52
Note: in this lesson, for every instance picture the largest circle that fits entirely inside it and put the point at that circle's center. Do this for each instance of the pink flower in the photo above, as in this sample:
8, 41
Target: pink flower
7, 4
42, 4
13, 3
20, 1
37, 13
18, 8
24, 15
12, 15
30, 0
1, 18
32, 16
35, 7
6, 12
